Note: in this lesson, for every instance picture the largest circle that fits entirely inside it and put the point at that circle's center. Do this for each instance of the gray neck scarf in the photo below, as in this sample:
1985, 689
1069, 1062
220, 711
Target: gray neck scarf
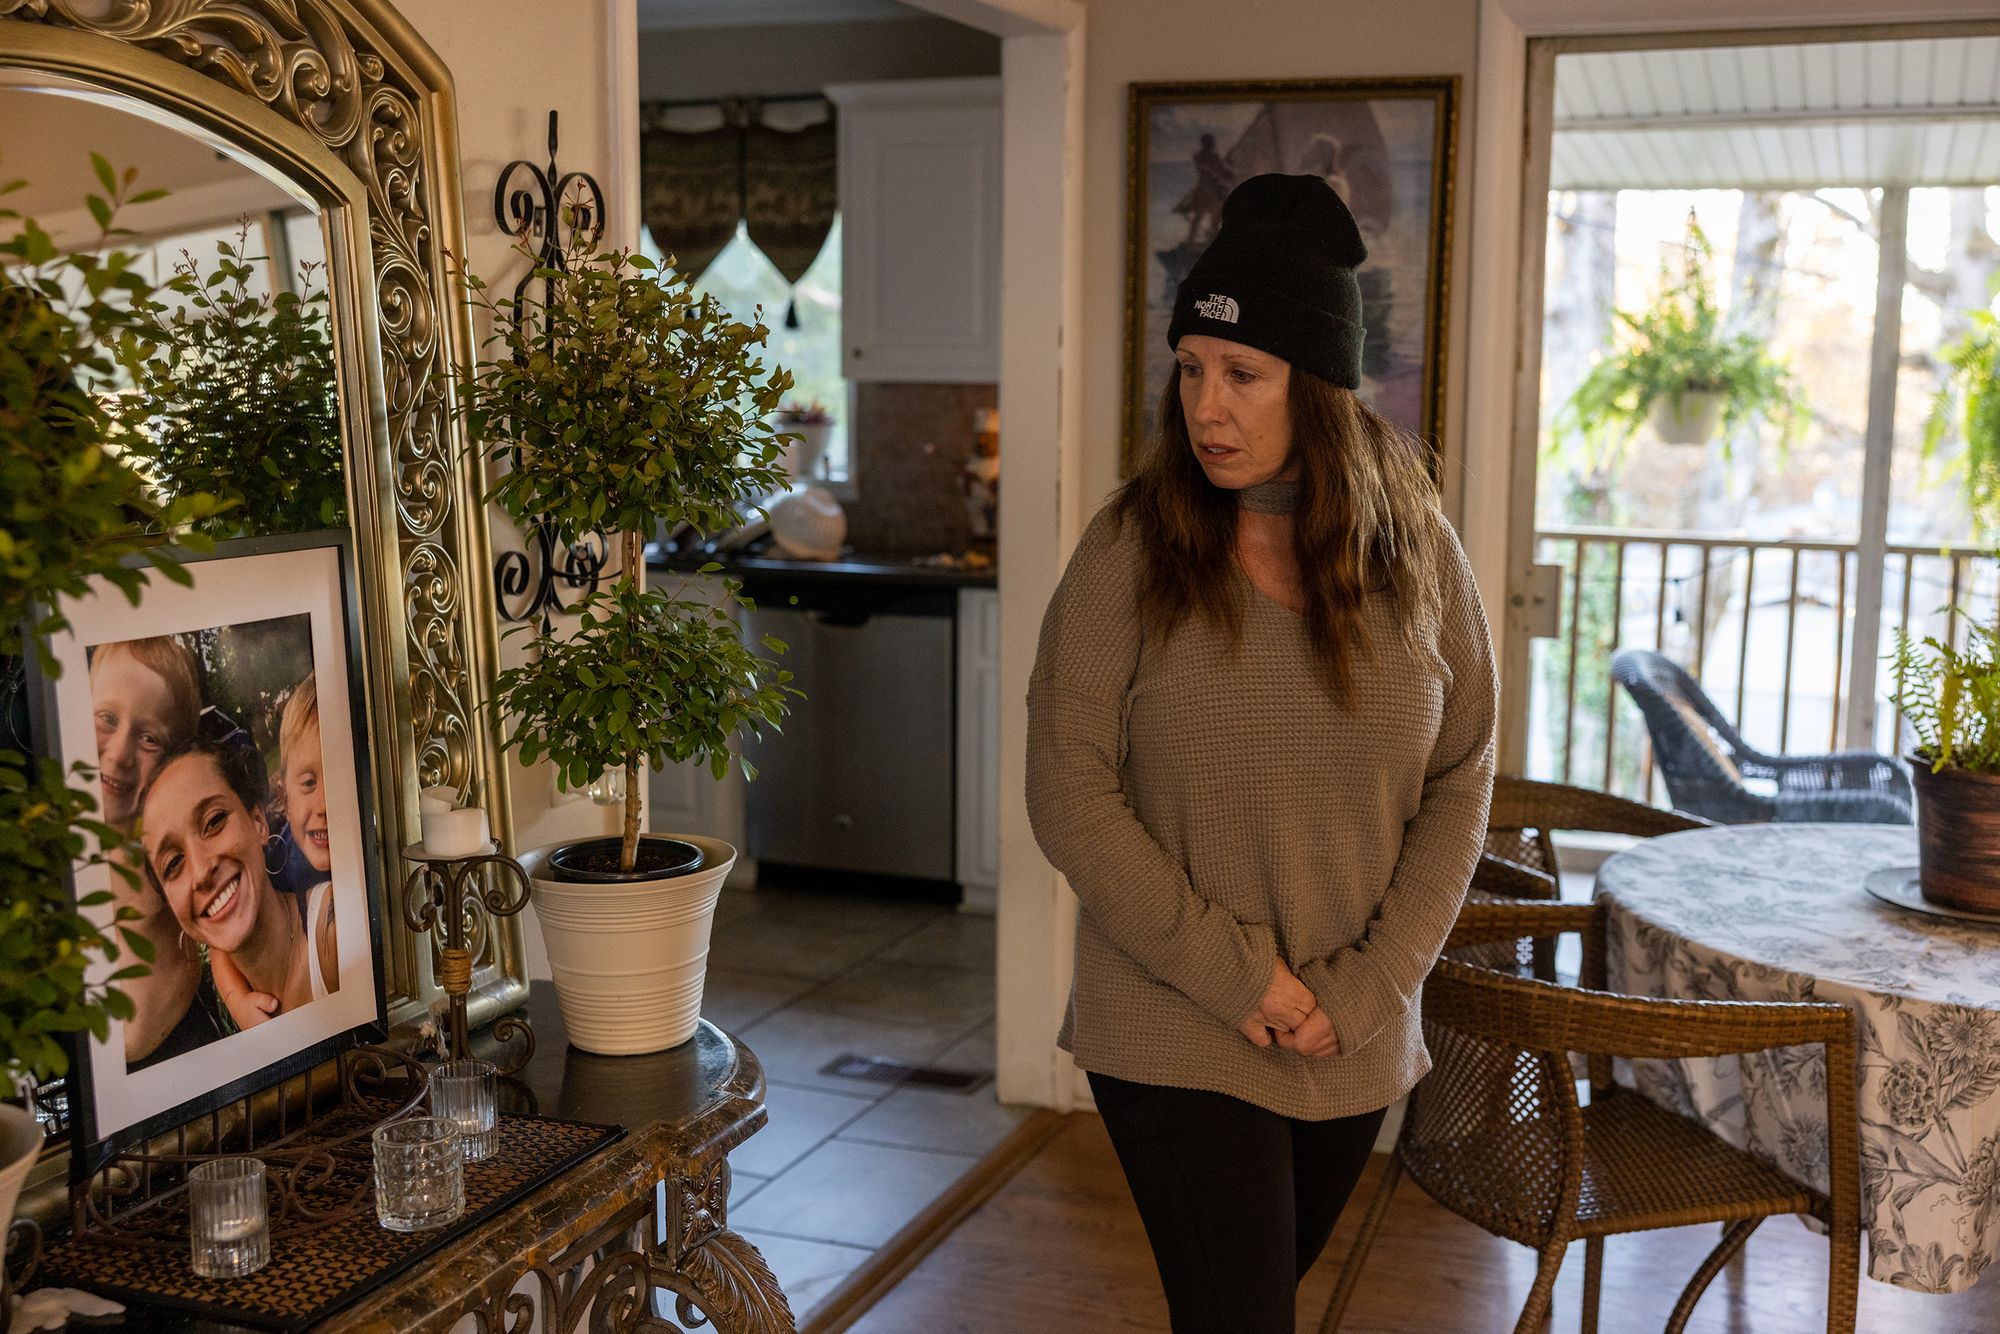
1273, 497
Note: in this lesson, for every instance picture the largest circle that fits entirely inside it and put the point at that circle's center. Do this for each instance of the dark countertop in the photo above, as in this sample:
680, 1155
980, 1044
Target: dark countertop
756, 565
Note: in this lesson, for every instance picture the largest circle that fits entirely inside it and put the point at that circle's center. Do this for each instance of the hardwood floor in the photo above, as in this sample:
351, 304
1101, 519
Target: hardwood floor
1059, 1249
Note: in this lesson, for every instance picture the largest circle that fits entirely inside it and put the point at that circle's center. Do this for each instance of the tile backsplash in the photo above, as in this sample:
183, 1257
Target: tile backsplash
910, 441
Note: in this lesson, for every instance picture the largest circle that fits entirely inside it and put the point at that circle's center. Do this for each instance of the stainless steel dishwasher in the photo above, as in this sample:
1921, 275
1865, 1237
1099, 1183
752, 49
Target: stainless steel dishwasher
861, 779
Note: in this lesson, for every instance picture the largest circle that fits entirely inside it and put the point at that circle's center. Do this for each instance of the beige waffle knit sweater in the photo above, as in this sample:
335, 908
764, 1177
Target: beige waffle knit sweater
1211, 808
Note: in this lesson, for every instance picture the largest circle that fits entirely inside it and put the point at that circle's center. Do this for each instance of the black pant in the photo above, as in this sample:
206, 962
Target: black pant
1238, 1202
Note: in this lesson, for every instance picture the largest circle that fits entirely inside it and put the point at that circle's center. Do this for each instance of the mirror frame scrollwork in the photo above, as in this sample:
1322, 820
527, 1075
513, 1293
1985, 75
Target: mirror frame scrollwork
345, 102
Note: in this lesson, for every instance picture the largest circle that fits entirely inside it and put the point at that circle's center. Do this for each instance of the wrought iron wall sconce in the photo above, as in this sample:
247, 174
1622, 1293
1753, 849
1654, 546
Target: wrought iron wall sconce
549, 211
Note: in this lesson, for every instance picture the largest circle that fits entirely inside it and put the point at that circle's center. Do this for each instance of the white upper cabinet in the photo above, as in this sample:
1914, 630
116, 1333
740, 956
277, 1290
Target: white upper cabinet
920, 227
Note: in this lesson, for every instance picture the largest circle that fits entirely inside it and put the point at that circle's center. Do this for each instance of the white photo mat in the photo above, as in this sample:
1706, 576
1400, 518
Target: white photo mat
234, 590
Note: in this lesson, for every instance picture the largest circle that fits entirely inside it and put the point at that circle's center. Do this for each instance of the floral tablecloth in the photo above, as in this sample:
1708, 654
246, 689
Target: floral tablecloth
1778, 912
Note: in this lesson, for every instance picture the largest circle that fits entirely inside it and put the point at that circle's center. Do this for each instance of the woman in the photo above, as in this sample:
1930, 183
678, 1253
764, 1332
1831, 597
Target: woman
1261, 749
145, 699
203, 826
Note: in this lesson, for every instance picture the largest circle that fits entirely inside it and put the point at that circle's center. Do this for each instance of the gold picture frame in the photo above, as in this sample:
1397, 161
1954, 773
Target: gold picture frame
348, 104
1388, 145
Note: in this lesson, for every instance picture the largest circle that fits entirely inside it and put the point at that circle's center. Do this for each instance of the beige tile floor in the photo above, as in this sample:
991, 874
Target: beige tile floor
842, 1165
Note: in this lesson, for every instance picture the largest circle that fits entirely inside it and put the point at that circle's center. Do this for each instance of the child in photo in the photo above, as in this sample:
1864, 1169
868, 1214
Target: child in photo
301, 799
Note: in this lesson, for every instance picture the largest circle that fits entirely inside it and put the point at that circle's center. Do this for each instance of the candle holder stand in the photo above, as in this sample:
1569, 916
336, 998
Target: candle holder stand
436, 894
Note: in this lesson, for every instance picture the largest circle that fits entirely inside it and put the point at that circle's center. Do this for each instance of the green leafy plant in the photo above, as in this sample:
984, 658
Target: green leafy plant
236, 397
1951, 698
73, 512
620, 400
1677, 347
1969, 395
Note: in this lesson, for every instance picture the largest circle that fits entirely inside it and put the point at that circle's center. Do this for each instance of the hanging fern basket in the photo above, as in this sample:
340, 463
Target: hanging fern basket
1687, 418
1958, 836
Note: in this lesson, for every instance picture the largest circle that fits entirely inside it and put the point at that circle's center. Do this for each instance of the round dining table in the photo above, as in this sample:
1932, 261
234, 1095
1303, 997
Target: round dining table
1780, 912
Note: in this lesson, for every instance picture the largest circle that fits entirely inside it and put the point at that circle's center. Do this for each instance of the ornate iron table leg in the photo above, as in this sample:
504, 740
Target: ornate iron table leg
717, 1279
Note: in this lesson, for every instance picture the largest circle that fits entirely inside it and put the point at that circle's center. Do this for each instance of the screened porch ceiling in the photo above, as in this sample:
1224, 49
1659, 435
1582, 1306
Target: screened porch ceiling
1917, 112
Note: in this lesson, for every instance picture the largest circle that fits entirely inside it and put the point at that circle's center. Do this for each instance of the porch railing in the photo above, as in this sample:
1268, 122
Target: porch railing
1765, 626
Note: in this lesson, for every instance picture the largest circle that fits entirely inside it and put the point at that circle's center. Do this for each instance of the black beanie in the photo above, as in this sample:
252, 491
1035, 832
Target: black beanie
1279, 277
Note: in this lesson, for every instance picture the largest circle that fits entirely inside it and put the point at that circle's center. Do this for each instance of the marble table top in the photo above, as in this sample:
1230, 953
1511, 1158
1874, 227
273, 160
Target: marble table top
683, 1111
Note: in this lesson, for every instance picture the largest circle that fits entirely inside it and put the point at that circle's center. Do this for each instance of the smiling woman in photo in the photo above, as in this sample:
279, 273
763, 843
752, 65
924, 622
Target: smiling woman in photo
204, 830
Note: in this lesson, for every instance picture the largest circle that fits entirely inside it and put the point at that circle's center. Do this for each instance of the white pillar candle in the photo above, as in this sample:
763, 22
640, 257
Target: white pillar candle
455, 833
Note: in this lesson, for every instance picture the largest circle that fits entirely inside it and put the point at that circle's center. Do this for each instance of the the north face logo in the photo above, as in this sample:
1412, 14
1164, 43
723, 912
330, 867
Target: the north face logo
1215, 307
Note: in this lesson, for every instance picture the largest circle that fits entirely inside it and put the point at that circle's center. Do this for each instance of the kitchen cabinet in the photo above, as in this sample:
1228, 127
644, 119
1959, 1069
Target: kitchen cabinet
920, 230
978, 852
892, 766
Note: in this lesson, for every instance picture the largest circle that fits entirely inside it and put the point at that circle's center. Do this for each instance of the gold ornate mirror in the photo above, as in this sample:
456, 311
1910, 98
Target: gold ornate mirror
325, 128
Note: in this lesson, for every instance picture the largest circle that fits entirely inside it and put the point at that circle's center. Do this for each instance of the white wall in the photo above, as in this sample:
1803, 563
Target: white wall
777, 58
511, 67
205, 187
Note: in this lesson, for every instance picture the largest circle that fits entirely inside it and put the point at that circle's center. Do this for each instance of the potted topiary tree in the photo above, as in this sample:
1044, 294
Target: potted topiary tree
74, 514
1951, 698
618, 401
1678, 370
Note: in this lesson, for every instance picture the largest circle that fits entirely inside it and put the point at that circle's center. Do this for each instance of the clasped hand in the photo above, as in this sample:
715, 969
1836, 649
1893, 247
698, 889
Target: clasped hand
1289, 1015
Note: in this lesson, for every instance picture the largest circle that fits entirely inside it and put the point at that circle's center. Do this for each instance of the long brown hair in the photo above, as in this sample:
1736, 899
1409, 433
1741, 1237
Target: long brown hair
1368, 522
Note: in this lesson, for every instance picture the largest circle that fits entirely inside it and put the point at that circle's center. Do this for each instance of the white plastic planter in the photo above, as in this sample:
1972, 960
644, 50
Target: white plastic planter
1689, 419
629, 959
20, 1145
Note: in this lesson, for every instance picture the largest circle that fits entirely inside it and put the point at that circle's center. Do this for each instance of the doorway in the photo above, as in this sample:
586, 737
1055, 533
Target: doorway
1828, 203
1038, 382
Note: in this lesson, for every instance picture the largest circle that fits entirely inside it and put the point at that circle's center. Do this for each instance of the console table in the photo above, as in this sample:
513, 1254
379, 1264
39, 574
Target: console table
585, 1252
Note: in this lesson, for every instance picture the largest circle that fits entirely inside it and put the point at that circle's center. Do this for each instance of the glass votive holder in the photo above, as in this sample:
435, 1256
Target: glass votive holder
419, 1174
465, 1092
229, 1226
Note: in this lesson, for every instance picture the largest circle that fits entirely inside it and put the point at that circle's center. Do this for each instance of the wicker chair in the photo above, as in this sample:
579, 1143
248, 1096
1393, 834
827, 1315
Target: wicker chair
1496, 1134
1526, 813
1706, 761
1520, 858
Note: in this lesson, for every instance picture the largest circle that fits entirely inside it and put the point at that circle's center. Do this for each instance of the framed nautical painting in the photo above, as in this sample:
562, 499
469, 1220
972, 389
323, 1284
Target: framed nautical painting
1386, 145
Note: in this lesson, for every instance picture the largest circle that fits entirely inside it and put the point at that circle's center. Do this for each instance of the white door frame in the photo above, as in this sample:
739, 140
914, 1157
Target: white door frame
1041, 386
1503, 363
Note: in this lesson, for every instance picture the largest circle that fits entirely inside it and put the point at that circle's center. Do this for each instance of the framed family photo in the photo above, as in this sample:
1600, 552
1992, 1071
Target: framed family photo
224, 728
1386, 145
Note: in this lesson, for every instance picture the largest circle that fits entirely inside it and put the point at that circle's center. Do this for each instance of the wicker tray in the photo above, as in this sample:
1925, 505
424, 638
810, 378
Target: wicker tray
311, 1277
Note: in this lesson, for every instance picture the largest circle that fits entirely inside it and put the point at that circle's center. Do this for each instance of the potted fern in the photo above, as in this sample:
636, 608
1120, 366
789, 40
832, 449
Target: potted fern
1677, 369
1951, 698
618, 401
69, 325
